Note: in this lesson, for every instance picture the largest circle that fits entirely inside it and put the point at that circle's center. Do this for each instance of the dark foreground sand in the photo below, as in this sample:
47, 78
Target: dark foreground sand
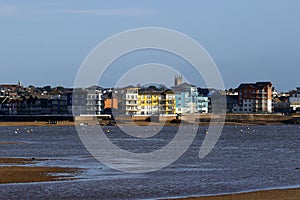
14, 170
285, 194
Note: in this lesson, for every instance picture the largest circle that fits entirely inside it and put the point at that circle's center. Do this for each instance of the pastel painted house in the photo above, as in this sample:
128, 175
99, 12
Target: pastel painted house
188, 99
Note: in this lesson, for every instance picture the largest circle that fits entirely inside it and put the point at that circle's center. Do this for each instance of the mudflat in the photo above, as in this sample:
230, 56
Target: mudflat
16, 170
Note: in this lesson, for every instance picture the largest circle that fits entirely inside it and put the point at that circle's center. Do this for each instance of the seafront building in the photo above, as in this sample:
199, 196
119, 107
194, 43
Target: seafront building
254, 98
188, 99
94, 100
167, 103
130, 100
59, 102
295, 101
156, 101
111, 102
79, 101
148, 102
282, 105
182, 98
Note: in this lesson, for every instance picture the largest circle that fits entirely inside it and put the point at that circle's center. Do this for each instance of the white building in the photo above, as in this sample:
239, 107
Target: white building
295, 101
94, 101
131, 100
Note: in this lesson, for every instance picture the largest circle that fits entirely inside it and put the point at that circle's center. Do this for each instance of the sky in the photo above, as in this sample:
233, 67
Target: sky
45, 42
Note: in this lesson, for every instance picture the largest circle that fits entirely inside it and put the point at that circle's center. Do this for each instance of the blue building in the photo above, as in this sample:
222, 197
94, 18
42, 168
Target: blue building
188, 99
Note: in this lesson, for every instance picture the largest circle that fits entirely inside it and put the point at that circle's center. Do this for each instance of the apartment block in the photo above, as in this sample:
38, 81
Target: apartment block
255, 98
148, 102
295, 101
188, 99
130, 98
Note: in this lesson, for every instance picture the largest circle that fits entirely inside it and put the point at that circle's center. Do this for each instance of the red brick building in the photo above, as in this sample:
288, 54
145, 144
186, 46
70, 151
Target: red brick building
255, 98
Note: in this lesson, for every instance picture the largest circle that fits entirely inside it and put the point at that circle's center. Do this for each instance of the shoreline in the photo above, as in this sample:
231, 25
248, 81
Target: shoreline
281, 194
133, 123
198, 120
35, 123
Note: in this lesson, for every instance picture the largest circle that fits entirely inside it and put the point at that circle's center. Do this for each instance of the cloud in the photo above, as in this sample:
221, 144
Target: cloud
6, 10
110, 12
48, 8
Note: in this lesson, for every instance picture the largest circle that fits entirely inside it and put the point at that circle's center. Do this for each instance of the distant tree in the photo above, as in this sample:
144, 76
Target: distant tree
47, 88
152, 87
60, 88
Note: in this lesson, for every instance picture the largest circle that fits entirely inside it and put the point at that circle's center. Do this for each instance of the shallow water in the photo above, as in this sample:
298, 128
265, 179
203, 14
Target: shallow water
260, 158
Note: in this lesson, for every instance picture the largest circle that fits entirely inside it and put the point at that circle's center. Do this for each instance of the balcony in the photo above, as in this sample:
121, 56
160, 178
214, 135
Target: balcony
132, 103
132, 110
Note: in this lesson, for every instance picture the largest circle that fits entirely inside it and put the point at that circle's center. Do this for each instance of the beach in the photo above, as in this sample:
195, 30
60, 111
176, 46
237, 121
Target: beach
17, 171
21, 170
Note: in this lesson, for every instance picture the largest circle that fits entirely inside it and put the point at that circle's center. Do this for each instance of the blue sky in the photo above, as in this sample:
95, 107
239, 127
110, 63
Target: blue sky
44, 42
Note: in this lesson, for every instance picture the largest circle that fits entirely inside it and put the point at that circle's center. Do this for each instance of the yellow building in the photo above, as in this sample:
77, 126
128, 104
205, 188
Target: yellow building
156, 102
148, 102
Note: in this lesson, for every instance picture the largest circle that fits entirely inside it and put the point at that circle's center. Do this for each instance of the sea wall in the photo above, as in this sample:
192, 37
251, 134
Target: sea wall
191, 118
258, 118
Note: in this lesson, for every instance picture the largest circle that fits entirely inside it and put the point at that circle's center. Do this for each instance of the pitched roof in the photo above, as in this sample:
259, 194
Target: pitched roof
150, 92
257, 85
55, 92
130, 87
183, 85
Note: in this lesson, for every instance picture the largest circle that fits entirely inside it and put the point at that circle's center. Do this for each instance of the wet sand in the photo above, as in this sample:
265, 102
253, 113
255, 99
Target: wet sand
62, 123
284, 194
14, 170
